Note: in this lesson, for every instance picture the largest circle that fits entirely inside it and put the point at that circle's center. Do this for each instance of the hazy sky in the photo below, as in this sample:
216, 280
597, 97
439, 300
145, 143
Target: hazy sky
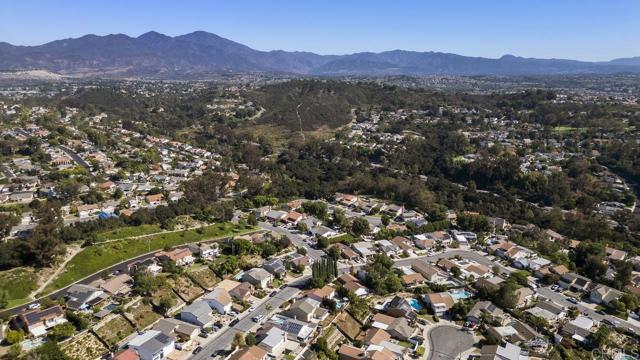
575, 29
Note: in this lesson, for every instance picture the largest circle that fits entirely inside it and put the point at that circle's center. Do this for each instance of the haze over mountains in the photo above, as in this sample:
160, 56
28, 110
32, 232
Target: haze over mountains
155, 54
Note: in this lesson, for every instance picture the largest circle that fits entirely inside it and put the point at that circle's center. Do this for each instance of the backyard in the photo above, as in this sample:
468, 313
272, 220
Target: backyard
84, 346
142, 315
97, 257
349, 326
204, 277
114, 330
185, 287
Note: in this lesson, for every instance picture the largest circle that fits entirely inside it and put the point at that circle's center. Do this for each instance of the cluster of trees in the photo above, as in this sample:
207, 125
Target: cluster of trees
381, 277
323, 272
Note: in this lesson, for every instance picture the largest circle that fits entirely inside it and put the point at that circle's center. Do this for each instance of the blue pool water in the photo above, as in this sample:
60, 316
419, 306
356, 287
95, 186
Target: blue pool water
460, 294
415, 303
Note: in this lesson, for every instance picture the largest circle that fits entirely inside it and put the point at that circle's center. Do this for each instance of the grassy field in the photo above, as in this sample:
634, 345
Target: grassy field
129, 231
18, 284
94, 258
85, 346
565, 128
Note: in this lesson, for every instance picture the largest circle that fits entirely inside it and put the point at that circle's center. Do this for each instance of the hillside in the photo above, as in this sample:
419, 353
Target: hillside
156, 55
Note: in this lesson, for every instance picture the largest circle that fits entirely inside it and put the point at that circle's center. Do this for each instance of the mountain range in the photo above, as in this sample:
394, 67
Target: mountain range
154, 54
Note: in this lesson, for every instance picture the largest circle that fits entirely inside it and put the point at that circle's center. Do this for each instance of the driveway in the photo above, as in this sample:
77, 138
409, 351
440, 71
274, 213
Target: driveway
447, 342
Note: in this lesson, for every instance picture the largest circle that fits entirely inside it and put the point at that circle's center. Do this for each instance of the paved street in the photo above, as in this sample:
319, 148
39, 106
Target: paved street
561, 299
224, 337
447, 342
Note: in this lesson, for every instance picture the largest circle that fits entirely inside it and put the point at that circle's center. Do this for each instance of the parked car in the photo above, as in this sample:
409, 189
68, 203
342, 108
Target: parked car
252, 309
34, 306
197, 350
572, 300
273, 293
257, 318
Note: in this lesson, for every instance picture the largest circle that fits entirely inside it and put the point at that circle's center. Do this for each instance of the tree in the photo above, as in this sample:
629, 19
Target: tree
384, 219
455, 271
600, 338
7, 221
238, 340
4, 299
62, 331
14, 336
14, 351
252, 220
302, 227
250, 339
360, 226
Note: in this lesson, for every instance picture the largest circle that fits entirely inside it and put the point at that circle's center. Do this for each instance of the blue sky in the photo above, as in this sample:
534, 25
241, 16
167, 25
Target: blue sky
575, 29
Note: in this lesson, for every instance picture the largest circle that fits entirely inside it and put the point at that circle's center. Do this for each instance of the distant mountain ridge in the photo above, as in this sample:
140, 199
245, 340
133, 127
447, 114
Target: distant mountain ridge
153, 54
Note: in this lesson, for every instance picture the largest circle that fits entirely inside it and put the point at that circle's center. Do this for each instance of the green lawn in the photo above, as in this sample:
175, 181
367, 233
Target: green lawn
129, 231
100, 256
18, 284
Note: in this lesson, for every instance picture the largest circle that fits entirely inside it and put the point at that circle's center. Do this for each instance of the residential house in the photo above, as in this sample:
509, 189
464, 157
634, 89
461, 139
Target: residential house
306, 309
275, 266
575, 282
320, 294
364, 248
81, 297
615, 254
413, 279
323, 231
117, 285
276, 215
478, 271
177, 328
181, 257
250, 353
602, 294
400, 307
293, 217
38, 322
154, 200
152, 345
507, 351
489, 283
548, 310
198, 313
579, 329
274, 340
428, 271
404, 245
475, 315
440, 303
127, 354
85, 211
346, 252
298, 329
524, 297
384, 246
219, 299
242, 292
258, 277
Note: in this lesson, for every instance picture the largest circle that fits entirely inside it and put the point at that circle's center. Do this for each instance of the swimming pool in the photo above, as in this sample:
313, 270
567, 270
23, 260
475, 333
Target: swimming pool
416, 304
460, 294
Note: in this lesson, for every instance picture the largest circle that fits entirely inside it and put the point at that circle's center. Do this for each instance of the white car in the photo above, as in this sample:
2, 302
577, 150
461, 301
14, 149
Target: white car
252, 309
34, 306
